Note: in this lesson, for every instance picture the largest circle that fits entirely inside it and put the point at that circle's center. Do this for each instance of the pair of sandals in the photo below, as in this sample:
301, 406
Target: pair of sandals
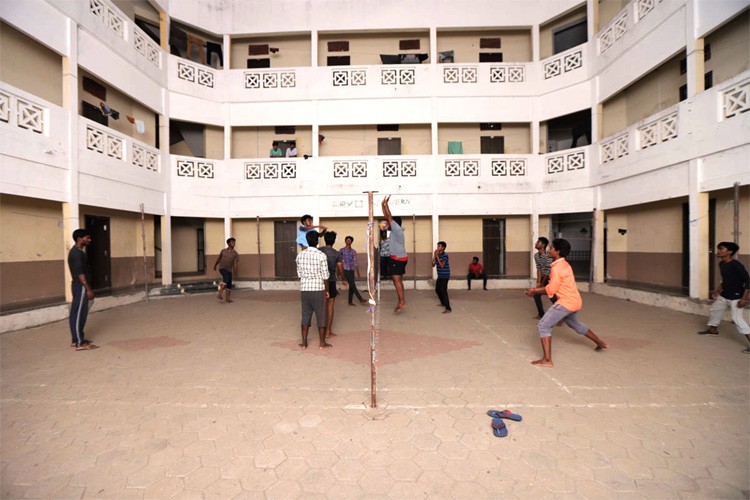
498, 425
86, 345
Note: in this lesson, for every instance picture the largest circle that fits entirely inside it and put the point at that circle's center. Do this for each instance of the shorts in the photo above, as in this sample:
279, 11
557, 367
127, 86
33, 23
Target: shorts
313, 302
226, 278
332, 292
396, 267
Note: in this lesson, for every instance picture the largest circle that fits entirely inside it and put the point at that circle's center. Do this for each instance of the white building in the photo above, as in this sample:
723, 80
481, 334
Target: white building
621, 126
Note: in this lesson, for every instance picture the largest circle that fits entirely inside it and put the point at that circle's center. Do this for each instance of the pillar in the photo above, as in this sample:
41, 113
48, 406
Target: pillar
698, 233
696, 66
597, 247
71, 215
534, 232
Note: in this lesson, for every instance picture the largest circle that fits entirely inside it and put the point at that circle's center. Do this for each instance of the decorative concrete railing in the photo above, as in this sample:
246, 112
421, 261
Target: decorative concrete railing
399, 168
460, 74
398, 76
462, 167
195, 168
509, 167
270, 79
196, 74
350, 168
348, 77
285, 169
21, 112
615, 30
108, 143
565, 62
643, 7
121, 26
498, 73
735, 100
472, 167
613, 148
657, 131
566, 161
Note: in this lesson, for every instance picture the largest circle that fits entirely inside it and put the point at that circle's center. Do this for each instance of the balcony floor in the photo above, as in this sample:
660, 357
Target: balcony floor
196, 398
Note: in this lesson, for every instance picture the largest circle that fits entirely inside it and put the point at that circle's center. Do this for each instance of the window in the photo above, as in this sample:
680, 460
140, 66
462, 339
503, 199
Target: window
490, 126
683, 92
492, 145
387, 128
683, 66
94, 113
338, 46
569, 36
408, 45
257, 50
338, 60
708, 80
389, 146
490, 57
258, 63
285, 130
95, 89
707, 52
489, 43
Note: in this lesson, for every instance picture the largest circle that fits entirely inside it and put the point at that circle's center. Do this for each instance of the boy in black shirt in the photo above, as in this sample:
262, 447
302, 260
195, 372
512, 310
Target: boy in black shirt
732, 292
82, 292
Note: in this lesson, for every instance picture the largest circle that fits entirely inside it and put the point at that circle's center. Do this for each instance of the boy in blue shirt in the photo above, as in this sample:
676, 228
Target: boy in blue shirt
441, 260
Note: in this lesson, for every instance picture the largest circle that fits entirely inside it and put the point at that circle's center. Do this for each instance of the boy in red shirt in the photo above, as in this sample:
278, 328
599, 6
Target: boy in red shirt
476, 272
562, 283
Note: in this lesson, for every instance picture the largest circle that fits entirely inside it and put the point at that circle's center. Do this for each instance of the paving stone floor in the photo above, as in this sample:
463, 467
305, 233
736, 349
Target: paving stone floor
192, 398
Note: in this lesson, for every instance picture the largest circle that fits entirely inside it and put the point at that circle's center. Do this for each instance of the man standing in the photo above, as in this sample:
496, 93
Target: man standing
399, 258
476, 272
335, 268
82, 292
562, 283
542, 261
350, 265
227, 262
442, 262
312, 269
732, 292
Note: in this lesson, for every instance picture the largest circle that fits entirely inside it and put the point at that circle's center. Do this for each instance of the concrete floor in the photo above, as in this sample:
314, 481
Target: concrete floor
192, 398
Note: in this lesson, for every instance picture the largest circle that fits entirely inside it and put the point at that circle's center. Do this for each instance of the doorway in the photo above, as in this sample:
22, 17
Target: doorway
98, 253
285, 248
576, 228
493, 246
389, 146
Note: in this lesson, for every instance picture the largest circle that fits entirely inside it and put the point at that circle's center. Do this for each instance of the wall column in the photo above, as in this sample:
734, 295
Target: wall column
597, 247
164, 33
534, 233
696, 66
535, 43
227, 49
698, 233
71, 215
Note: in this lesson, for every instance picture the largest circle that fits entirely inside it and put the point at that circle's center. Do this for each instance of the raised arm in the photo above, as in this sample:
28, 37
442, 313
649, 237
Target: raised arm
387, 210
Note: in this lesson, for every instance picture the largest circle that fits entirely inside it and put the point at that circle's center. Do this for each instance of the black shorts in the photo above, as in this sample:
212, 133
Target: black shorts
226, 278
332, 292
396, 267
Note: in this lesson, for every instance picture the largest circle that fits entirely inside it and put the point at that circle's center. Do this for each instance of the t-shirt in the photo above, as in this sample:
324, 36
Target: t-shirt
398, 246
443, 272
291, 152
78, 264
562, 283
276, 152
476, 269
385, 247
334, 257
227, 259
542, 261
302, 236
734, 279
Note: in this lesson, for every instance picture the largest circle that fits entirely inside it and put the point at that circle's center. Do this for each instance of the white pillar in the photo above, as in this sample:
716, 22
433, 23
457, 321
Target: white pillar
226, 48
314, 49
434, 56
70, 210
535, 42
697, 233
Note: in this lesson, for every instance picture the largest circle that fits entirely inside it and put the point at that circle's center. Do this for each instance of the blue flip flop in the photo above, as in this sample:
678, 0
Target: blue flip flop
505, 414
498, 428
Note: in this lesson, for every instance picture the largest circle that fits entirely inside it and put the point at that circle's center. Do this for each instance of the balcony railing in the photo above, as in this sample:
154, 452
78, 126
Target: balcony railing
115, 146
120, 25
735, 100
565, 161
633, 13
563, 63
20, 112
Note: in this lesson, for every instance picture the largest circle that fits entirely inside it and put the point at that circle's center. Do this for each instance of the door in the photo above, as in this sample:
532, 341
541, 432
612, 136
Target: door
492, 145
285, 248
569, 36
98, 252
389, 146
493, 246
200, 244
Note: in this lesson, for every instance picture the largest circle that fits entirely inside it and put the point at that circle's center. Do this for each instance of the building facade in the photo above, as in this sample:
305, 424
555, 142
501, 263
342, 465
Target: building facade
621, 126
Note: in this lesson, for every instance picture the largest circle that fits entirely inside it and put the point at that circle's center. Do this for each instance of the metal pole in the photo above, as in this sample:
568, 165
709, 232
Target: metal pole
371, 287
260, 267
736, 212
414, 247
592, 250
145, 262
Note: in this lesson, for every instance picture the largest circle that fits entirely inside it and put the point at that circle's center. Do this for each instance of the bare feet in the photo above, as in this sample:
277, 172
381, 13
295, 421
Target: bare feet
331, 334
543, 362
303, 346
351, 304
439, 305
601, 346
325, 346
218, 296
537, 317
447, 311
229, 301
399, 308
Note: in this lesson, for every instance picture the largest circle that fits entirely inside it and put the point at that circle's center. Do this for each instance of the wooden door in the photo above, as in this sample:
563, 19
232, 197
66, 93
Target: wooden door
285, 248
99, 253
493, 246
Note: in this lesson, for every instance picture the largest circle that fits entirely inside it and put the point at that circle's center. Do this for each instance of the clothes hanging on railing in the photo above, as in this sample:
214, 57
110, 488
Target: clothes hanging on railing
108, 111
455, 148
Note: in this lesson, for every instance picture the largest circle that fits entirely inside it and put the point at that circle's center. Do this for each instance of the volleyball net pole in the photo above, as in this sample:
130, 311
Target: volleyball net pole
371, 284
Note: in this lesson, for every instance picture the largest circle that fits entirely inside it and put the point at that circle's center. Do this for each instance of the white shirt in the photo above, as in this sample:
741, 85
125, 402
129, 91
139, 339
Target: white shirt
312, 269
291, 152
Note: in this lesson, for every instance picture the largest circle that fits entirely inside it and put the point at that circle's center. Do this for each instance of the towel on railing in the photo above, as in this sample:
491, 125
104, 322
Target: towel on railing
455, 148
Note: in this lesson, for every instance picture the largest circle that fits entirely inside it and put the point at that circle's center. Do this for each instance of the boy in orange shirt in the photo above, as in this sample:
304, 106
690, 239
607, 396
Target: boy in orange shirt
562, 283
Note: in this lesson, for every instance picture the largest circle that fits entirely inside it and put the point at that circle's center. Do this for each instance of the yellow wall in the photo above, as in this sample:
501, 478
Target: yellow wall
517, 137
255, 142
214, 142
654, 92
608, 9
138, 8
125, 105
29, 65
545, 226
246, 233
617, 242
725, 217
546, 30
215, 240
125, 237
652, 227
730, 49
518, 233
514, 44
462, 234
362, 140
365, 48
19, 216
356, 227
294, 50
184, 248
